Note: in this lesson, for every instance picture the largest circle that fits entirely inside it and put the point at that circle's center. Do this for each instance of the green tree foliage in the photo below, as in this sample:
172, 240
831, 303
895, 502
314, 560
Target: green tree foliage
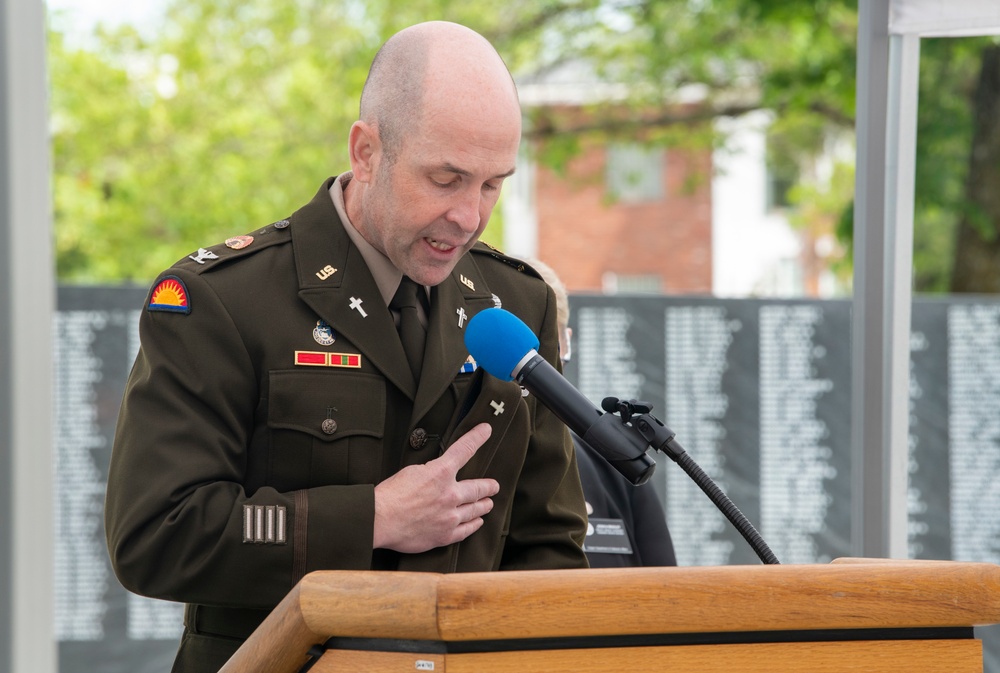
233, 111
944, 141
226, 119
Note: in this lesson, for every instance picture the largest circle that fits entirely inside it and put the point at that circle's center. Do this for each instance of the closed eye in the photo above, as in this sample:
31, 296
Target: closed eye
443, 185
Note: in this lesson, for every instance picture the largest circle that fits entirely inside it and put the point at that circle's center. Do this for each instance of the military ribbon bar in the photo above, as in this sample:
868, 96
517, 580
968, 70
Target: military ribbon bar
320, 359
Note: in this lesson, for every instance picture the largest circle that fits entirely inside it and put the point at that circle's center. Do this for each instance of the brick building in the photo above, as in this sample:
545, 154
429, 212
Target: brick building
628, 219
622, 216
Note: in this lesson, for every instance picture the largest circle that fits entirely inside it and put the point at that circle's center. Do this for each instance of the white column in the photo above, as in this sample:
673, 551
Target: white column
887, 75
27, 299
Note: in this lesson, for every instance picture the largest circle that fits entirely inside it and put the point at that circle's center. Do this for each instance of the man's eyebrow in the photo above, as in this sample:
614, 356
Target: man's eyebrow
461, 171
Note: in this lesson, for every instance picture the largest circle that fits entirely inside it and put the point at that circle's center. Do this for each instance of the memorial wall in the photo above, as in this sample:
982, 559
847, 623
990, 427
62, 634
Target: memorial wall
100, 627
757, 392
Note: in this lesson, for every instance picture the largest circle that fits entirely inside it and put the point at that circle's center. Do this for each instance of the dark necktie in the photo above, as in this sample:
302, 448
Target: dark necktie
411, 332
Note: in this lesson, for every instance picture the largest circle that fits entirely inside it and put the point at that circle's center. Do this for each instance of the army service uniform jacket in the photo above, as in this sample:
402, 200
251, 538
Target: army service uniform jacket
271, 393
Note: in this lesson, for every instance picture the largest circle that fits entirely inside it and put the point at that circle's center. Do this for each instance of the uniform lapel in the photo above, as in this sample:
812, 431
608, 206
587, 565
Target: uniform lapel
453, 303
348, 297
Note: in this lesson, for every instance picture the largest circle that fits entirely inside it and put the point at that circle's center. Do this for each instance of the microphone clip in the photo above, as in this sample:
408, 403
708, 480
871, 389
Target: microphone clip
625, 409
643, 427
620, 442
636, 414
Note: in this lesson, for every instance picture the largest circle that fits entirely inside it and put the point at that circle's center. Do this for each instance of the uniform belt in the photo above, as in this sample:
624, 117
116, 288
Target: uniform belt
236, 623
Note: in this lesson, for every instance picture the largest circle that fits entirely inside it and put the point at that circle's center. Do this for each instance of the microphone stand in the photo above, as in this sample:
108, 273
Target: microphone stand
641, 430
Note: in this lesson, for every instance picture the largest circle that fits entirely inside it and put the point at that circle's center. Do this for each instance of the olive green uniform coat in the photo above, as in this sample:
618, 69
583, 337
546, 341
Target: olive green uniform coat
237, 468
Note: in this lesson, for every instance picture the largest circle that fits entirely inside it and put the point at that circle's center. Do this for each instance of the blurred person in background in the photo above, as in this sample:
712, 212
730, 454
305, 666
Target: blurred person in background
626, 523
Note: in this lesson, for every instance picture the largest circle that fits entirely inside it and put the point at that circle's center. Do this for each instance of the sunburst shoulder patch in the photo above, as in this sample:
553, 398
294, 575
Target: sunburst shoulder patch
169, 295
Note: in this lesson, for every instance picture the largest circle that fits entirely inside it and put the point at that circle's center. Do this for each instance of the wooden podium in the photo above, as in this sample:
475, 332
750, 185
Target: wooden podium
850, 615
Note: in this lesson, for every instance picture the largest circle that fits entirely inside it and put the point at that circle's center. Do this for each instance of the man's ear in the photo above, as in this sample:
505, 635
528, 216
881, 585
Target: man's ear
364, 150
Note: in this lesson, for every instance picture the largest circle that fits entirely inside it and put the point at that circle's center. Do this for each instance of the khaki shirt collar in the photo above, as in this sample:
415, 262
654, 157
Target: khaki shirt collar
386, 275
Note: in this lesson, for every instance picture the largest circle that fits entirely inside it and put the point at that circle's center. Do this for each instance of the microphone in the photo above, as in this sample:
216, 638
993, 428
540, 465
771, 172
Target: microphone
506, 348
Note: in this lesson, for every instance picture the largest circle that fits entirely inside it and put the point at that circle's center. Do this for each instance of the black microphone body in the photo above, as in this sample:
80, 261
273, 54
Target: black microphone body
625, 450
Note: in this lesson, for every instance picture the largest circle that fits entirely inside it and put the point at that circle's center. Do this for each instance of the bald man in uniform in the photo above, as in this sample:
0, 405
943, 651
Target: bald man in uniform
273, 423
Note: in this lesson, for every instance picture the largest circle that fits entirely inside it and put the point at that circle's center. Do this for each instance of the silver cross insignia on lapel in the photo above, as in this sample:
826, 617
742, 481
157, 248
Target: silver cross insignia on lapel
461, 316
497, 407
356, 305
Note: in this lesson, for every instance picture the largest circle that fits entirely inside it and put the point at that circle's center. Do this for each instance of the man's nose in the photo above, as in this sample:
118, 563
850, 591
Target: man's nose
465, 210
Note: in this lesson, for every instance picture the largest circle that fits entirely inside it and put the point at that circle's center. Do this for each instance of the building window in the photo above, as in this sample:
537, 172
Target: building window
618, 283
782, 172
780, 180
635, 173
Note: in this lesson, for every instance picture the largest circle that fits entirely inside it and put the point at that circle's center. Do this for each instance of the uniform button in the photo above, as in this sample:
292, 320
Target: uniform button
418, 438
329, 426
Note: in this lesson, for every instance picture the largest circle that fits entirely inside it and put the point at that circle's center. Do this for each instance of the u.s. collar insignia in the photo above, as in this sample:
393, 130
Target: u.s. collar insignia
169, 295
323, 333
325, 272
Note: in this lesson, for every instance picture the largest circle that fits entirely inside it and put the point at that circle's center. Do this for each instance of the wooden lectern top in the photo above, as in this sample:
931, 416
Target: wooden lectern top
846, 594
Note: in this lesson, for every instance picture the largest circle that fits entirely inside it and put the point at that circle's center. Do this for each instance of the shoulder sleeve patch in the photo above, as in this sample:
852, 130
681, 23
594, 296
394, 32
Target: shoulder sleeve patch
170, 295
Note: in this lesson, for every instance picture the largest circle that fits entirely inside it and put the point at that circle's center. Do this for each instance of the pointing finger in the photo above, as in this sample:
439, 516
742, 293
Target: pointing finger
465, 447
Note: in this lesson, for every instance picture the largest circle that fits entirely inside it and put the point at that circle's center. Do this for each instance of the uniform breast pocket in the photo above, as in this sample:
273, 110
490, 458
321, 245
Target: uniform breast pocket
326, 428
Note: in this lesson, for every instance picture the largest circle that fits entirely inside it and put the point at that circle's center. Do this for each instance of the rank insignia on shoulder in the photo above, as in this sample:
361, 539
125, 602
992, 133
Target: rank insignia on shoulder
468, 366
202, 255
169, 295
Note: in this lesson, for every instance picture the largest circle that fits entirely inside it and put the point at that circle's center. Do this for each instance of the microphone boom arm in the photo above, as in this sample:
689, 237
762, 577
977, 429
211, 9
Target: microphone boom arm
642, 430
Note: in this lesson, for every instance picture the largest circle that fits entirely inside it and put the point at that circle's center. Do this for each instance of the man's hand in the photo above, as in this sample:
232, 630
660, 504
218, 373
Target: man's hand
423, 506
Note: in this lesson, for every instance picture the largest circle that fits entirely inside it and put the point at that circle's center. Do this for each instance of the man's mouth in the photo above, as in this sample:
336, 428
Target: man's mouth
438, 245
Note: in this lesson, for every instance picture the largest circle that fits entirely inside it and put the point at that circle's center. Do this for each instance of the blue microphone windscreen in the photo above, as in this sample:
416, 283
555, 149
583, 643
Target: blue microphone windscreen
498, 340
